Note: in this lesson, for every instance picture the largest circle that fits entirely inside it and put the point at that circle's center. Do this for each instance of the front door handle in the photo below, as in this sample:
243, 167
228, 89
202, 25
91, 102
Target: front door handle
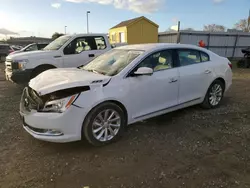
207, 72
91, 55
172, 80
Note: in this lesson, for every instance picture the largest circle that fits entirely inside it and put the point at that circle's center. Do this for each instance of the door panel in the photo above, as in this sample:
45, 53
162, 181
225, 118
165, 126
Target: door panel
149, 94
75, 60
81, 50
195, 76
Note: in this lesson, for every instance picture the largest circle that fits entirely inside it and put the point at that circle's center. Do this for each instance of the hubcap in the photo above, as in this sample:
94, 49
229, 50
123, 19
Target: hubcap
215, 94
106, 125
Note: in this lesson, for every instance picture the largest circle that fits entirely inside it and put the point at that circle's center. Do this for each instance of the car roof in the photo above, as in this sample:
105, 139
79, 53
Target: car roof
158, 46
87, 34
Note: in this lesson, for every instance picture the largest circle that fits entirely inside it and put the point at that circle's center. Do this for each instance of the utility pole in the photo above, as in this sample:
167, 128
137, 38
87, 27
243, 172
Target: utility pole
178, 34
248, 23
65, 27
179, 25
88, 12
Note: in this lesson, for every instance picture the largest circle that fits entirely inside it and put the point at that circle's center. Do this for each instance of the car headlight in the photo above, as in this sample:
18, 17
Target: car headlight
59, 105
21, 63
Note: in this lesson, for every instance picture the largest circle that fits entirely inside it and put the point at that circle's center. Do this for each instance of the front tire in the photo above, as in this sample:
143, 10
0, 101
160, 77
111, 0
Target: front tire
104, 124
214, 95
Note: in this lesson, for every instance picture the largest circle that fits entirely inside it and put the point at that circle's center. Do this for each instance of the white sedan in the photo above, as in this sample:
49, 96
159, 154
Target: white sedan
123, 86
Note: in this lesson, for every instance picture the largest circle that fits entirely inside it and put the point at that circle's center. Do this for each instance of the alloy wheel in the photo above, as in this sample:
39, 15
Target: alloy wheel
106, 125
215, 94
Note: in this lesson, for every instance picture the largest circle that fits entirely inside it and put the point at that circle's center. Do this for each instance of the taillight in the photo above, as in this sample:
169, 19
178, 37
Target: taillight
230, 65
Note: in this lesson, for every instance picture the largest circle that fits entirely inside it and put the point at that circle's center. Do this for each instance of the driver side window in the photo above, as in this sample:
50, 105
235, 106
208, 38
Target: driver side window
79, 45
158, 61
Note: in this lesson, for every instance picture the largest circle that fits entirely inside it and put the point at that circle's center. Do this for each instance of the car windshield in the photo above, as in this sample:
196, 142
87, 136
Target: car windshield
57, 43
112, 62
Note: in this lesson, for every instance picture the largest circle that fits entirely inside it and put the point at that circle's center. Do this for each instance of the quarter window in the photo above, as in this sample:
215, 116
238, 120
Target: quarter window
204, 57
158, 61
189, 57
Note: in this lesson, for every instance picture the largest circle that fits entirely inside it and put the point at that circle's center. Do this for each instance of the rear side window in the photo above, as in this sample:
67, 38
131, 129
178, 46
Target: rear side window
100, 43
204, 57
188, 57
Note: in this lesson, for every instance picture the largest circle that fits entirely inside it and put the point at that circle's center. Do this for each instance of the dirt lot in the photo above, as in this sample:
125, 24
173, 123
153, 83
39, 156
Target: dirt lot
188, 148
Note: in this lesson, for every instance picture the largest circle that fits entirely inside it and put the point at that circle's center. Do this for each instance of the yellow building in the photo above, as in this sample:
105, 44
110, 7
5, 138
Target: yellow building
135, 31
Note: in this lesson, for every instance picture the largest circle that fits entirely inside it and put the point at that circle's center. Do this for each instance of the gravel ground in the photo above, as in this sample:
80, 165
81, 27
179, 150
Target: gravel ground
188, 148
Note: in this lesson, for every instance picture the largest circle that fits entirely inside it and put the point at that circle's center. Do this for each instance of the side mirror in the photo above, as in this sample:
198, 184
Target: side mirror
144, 71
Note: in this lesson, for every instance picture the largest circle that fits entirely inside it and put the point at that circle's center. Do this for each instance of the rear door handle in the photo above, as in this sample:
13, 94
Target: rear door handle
91, 55
207, 72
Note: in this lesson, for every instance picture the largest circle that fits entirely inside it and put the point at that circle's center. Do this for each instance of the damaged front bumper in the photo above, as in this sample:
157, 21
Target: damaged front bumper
54, 127
50, 126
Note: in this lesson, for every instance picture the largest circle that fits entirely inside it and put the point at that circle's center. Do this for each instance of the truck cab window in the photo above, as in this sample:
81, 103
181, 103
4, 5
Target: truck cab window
100, 43
79, 45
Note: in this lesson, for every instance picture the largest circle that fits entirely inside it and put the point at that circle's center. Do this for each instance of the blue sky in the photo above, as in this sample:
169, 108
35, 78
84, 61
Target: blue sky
44, 17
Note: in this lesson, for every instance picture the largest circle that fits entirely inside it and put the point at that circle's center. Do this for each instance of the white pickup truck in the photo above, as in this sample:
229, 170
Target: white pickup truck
65, 51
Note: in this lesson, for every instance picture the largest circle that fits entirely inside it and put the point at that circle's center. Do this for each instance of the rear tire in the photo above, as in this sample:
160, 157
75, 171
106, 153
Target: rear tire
214, 95
104, 124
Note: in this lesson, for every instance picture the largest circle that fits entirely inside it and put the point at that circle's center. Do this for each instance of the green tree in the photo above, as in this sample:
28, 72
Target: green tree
56, 35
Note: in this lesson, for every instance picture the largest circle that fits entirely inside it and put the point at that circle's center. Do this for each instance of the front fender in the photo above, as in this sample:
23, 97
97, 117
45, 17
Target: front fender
33, 63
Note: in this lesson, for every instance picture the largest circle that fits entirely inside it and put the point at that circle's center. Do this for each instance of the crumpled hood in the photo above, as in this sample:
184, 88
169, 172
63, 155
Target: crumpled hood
64, 78
33, 54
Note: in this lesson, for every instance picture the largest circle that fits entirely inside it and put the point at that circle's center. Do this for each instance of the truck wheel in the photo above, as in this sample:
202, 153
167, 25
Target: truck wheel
39, 70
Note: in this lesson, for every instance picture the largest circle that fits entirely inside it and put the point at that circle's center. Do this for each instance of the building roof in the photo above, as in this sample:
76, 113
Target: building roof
126, 23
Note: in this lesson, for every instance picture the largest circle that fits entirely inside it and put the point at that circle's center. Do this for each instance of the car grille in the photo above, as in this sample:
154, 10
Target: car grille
10, 65
30, 101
